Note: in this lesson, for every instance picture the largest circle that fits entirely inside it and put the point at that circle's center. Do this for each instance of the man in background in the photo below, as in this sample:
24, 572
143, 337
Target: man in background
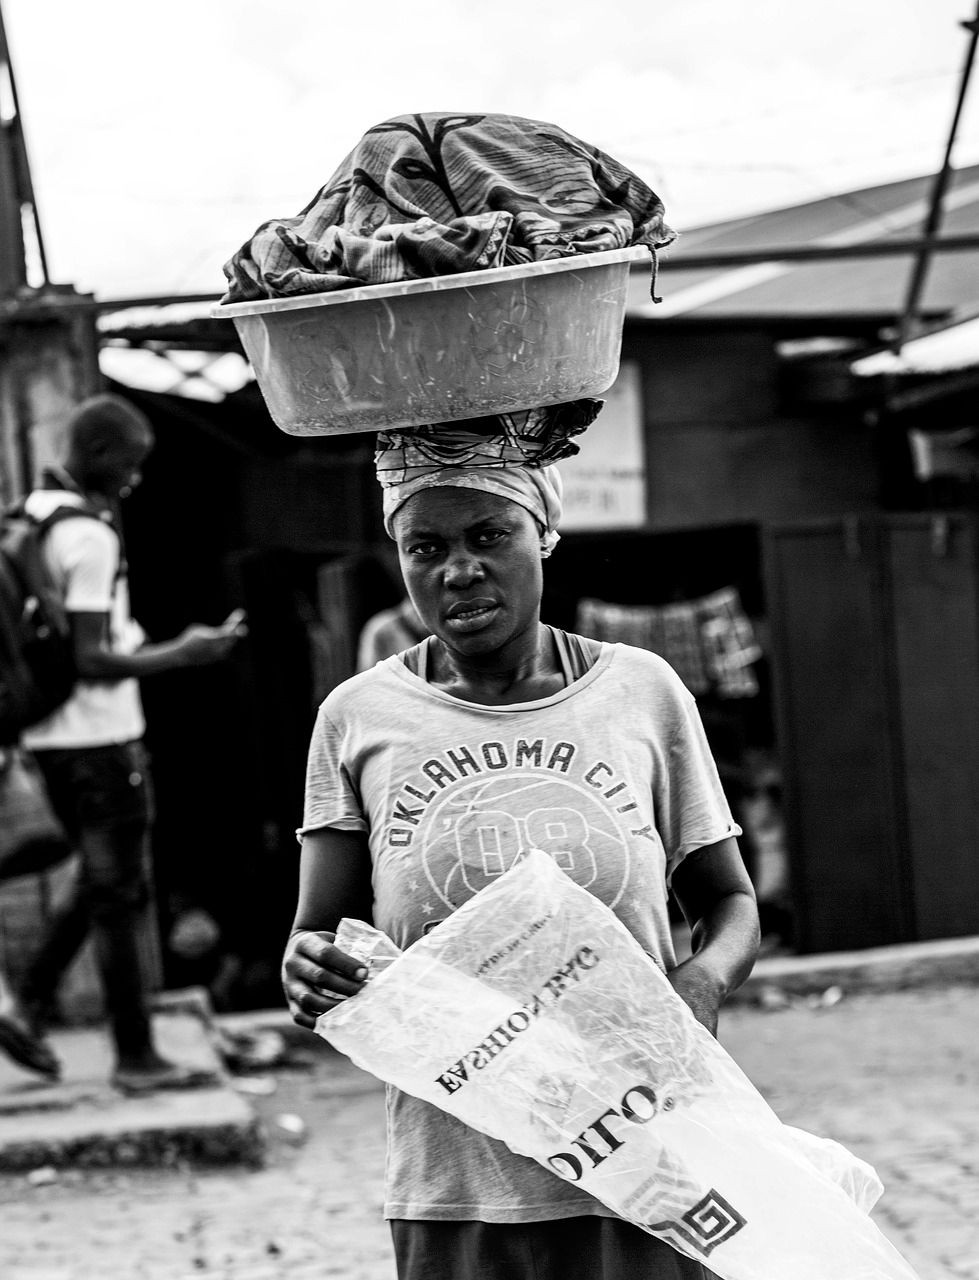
90, 749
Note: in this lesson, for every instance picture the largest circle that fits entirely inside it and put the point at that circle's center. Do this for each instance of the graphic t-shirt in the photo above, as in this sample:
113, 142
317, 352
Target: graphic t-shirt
611, 776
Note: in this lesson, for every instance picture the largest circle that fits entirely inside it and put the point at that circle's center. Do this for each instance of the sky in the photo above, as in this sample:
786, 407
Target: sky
161, 135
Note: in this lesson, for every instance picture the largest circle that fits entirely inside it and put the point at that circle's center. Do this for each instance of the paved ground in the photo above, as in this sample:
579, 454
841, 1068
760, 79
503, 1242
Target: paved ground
894, 1075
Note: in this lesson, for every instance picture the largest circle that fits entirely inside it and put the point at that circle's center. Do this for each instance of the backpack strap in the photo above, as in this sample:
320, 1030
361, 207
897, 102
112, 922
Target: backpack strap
68, 512
57, 477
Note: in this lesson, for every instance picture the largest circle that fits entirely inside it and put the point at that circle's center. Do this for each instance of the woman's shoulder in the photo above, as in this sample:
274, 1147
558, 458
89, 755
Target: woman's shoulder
631, 662
360, 690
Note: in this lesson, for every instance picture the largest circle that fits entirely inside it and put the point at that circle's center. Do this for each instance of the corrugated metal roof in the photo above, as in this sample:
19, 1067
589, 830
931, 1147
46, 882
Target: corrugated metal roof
850, 287
138, 317
947, 351
870, 288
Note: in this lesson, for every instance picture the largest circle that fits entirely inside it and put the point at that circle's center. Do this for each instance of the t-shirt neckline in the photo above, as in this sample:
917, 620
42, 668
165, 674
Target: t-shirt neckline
601, 663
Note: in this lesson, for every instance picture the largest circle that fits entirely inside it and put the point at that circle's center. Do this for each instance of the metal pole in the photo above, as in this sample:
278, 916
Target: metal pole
920, 270
24, 184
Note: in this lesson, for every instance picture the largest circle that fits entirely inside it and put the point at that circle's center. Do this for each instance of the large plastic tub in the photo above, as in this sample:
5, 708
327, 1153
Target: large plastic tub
440, 349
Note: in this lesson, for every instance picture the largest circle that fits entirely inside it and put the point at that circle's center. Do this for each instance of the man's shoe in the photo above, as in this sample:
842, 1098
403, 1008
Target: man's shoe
171, 1075
26, 1049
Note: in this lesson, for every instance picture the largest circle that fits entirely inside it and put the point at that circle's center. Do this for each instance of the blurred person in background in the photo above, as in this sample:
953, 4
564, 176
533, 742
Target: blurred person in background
90, 749
388, 632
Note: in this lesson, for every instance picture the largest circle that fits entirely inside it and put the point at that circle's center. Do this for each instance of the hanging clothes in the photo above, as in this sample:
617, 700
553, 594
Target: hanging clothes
709, 641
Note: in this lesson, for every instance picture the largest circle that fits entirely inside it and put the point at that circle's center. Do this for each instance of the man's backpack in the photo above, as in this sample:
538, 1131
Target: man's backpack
37, 665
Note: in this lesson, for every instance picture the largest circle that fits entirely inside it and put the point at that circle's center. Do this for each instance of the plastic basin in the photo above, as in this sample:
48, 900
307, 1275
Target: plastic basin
441, 349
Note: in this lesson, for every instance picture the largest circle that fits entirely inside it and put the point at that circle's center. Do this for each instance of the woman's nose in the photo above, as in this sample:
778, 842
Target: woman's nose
462, 568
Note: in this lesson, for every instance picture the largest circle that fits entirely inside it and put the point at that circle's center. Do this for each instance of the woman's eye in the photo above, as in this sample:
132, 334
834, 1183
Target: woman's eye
422, 549
487, 536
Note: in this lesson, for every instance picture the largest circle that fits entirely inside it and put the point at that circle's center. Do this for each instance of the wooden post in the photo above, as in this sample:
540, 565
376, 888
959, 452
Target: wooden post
48, 363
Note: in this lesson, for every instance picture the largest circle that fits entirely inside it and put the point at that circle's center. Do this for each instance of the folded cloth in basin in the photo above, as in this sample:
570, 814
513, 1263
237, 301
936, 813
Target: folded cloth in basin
440, 193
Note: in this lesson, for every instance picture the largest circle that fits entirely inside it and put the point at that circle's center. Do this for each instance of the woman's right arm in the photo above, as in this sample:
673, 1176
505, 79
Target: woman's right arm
334, 881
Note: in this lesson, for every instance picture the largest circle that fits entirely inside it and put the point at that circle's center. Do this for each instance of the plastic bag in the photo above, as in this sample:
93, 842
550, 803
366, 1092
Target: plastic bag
32, 839
533, 1015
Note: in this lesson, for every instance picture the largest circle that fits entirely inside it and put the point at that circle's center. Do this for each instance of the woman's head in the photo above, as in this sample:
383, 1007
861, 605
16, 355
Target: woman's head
471, 560
474, 508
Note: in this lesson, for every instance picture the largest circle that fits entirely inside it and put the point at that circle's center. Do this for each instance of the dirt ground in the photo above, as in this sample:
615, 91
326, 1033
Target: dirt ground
894, 1076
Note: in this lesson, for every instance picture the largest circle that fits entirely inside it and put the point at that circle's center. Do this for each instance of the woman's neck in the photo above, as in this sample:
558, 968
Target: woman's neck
522, 671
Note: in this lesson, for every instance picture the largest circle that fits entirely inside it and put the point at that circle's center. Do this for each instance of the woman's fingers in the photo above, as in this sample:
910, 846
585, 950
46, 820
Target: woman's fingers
322, 979
317, 976
299, 1017
306, 1004
319, 949
316, 1002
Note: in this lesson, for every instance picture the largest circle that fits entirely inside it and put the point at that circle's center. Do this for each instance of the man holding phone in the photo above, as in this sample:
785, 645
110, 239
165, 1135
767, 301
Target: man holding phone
90, 749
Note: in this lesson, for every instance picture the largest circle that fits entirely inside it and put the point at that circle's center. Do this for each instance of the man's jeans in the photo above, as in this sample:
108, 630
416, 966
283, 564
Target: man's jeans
102, 796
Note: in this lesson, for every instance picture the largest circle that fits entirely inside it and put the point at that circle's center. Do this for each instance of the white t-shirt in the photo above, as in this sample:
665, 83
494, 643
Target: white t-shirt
83, 557
612, 776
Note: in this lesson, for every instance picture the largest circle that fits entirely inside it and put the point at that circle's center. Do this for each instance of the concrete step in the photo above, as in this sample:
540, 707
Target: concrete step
82, 1121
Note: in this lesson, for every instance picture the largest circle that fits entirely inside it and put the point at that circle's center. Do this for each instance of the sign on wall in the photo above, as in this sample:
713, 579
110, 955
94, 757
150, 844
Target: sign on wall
605, 484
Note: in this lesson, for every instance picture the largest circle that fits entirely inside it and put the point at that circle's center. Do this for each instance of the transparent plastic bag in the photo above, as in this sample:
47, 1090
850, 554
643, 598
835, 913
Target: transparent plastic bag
534, 1016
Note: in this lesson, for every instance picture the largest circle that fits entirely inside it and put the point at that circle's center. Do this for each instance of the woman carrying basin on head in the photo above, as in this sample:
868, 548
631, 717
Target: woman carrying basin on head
430, 773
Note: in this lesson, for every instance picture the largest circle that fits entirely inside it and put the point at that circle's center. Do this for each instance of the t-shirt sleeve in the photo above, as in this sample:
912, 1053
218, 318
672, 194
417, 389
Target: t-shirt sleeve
691, 807
331, 798
88, 553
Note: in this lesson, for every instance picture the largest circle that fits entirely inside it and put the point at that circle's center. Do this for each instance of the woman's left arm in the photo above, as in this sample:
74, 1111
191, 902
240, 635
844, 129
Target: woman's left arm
717, 899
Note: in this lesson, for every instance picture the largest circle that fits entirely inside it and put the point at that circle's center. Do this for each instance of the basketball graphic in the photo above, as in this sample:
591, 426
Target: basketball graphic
477, 830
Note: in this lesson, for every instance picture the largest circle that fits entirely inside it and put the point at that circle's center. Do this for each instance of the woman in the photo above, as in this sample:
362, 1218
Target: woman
427, 776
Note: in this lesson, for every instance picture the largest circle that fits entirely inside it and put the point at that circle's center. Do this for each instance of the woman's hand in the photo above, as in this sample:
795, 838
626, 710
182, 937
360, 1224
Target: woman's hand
316, 975
700, 990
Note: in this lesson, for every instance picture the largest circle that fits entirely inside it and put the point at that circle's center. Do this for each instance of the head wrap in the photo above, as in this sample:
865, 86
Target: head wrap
510, 455
537, 489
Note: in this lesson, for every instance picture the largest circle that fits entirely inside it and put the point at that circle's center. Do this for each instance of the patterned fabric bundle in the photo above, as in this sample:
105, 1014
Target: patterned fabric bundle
531, 438
437, 194
509, 455
709, 642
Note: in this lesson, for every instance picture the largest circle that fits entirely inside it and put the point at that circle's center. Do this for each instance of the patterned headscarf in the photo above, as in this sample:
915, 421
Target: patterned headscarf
510, 455
537, 489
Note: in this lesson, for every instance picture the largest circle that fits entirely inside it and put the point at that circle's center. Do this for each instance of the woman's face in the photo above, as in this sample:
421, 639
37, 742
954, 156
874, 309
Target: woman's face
471, 562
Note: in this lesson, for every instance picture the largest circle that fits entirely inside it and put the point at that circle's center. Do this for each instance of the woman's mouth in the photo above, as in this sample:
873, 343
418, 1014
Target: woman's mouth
471, 615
